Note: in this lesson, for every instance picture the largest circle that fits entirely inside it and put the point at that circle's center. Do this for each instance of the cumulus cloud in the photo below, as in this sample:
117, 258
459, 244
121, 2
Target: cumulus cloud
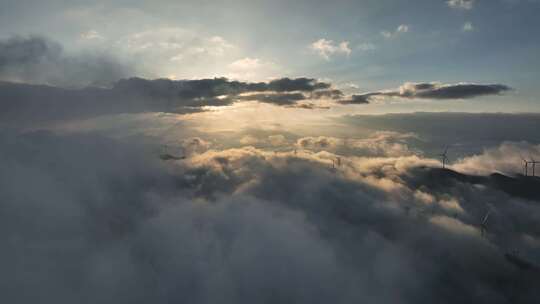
266, 140
249, 140
174, 44
195, 145
34, 59
402, 28
246, 64
109, 244
318, 143
277, 140
378, 144
251, 65
506, 158
461, 4
176, 52
468, 27
327, 48
91, 35
436, 90
366, 46
253, 68
244, 225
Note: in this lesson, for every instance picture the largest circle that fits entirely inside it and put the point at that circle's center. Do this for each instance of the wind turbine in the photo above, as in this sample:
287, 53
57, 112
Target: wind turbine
444, 157
407, 210
483, 225
533, 163
525, 166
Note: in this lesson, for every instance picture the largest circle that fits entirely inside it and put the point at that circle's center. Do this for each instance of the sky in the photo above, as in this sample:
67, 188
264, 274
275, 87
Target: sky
361, 46
269, 151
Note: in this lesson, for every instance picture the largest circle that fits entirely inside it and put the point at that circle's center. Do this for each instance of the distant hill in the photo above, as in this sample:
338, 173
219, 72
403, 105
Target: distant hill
521, 186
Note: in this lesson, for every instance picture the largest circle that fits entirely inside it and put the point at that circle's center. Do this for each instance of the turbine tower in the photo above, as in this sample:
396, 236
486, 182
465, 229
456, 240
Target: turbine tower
444, 157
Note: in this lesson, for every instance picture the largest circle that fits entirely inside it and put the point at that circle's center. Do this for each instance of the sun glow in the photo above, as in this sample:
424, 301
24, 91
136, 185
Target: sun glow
251, 115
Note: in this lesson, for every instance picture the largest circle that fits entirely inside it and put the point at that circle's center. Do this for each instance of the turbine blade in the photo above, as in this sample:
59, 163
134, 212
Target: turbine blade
486, 218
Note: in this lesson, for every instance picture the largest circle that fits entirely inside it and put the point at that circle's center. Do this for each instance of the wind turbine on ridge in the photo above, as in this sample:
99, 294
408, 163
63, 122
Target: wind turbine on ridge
533, 162
444, 157
525, 166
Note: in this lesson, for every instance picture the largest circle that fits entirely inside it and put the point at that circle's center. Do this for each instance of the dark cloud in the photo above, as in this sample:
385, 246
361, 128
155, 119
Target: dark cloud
415, 90
437, 91
39, 60
24, 104
298, 84
35, 103
281, 99
17, 51
310, 106
188, 89
316, 91
331, 93
452, 91
356, 99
